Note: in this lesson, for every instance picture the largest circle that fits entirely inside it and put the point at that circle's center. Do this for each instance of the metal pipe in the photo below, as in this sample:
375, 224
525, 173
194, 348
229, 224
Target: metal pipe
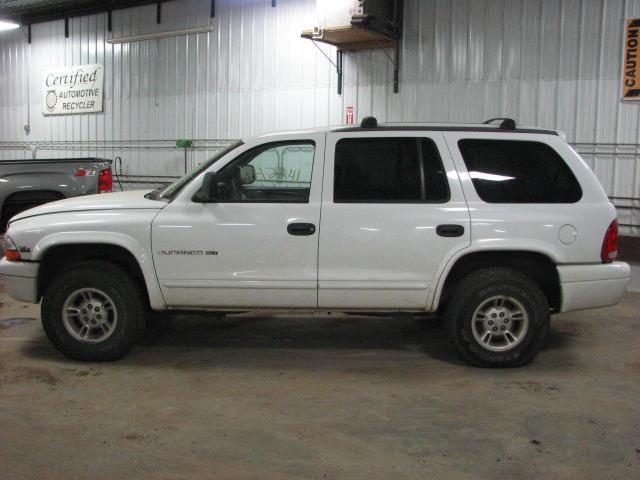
158, 35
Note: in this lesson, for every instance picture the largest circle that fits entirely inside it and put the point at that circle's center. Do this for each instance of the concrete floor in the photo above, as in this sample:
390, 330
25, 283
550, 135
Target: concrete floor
321, 397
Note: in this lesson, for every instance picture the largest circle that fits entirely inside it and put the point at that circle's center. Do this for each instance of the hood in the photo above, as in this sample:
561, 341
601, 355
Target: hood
134, 199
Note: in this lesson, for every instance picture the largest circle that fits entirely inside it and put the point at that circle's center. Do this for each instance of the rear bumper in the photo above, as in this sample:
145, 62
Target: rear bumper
20, 280
592, 286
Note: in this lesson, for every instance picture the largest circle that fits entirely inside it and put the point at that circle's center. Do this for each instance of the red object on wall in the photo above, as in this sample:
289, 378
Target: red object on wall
349, 116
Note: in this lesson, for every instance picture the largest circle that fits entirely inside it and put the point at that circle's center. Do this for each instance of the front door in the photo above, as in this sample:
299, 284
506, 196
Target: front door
257, 245
393, 212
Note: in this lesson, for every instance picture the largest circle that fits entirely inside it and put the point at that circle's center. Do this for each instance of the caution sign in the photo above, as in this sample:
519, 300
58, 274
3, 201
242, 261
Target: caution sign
631, 74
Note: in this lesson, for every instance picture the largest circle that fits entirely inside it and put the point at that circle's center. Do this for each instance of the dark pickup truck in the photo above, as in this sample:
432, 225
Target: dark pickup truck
26, 184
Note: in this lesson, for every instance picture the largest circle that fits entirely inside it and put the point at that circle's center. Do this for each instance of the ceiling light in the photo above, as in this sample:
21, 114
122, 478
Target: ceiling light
7, 25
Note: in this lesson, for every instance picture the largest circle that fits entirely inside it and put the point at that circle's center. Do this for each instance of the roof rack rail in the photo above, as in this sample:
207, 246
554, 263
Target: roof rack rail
369, 122
505, 124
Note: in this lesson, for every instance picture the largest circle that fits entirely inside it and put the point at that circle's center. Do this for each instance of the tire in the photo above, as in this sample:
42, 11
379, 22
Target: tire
118, 326
499, 336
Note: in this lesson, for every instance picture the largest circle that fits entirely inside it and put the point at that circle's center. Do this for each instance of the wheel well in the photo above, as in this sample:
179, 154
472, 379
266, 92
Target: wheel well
34, 196
20, 201
536, 266
60, 257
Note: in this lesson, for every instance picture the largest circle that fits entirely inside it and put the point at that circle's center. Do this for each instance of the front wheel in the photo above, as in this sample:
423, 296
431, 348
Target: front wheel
93, 311
498, 317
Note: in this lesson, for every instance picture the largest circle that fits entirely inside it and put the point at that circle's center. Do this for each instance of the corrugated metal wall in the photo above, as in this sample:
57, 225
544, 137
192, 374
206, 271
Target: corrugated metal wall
552, 63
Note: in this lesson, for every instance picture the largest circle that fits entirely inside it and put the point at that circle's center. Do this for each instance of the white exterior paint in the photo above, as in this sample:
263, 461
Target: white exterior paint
591, 286
257, 261
120, 219
502, 226
360, 257
556, 64
361, 264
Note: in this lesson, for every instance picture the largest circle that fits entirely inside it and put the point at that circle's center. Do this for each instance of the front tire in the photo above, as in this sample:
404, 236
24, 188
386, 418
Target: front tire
498, 317
93, 311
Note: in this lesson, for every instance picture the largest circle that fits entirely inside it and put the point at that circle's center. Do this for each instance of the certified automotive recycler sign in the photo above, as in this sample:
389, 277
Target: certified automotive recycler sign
75, 89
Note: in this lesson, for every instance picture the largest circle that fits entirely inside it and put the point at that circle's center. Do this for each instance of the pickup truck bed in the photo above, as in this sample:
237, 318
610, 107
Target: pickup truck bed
25, 184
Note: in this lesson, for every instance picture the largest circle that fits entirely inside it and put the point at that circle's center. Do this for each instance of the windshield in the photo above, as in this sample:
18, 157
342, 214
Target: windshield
170, 191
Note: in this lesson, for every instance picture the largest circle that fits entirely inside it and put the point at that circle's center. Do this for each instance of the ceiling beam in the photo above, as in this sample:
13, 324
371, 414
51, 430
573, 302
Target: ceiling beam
29, 16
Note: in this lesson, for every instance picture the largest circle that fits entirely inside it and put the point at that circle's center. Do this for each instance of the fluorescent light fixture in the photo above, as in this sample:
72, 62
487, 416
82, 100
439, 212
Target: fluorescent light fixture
158, 35
7, 25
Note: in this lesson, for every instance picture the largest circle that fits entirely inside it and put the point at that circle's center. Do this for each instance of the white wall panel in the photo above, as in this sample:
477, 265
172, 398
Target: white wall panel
552, 63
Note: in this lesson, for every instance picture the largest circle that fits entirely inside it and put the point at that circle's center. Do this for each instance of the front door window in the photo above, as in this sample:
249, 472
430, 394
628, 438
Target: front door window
272, 173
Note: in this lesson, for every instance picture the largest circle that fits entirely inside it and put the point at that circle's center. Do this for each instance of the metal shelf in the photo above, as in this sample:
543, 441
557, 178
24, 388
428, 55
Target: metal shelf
355, 38
351, 38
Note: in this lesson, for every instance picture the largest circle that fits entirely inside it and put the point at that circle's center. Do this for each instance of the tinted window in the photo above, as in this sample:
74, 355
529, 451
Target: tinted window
508, 171
378, 170
435, 178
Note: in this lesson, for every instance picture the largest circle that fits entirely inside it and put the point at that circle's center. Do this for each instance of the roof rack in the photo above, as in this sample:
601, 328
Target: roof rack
505, 123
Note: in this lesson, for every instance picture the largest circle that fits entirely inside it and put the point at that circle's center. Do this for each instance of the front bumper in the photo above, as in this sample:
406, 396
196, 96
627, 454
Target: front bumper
593, 285
20, 279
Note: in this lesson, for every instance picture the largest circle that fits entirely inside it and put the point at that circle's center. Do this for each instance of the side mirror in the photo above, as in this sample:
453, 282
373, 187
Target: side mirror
247, 174
209, 190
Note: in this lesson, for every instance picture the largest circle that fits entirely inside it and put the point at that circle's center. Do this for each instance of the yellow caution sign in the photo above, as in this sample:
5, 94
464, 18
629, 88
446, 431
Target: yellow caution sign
631, 73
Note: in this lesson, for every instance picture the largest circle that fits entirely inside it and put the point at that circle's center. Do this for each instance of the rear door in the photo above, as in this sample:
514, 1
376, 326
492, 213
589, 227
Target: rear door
393, 212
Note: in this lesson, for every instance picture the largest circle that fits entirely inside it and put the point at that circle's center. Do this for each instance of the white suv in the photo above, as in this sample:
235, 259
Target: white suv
494, 226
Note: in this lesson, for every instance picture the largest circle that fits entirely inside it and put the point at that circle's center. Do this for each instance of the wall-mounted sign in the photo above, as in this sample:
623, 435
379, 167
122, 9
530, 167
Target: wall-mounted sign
631, 73
75, 89
349, 115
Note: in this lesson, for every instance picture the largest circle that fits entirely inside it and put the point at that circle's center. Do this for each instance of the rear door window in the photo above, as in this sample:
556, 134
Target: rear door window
385, 170
514, 171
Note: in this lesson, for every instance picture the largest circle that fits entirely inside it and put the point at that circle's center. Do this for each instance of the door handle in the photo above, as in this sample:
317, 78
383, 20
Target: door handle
450, 230
301, 229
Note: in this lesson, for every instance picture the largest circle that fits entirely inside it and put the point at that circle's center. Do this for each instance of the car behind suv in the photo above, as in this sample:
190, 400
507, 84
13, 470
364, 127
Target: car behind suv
496, 226
27, 183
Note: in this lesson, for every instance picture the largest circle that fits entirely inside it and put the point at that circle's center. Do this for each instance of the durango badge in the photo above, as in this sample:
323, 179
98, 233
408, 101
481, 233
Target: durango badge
188, 252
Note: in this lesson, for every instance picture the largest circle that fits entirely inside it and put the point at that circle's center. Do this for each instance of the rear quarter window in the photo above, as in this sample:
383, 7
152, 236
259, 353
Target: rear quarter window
514, 171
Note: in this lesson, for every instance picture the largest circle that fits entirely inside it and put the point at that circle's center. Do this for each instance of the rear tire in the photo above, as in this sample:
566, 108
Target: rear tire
93, 311
497, 317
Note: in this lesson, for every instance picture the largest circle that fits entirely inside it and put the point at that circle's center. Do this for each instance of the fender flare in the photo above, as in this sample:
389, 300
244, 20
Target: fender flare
145, 262
514, 246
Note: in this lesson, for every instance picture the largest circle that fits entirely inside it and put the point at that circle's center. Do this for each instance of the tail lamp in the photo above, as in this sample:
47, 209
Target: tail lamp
609, 250
105, 180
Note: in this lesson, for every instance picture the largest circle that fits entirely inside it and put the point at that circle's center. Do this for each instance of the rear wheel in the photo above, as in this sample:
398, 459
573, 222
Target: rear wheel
93, 311
21, 201
498, 317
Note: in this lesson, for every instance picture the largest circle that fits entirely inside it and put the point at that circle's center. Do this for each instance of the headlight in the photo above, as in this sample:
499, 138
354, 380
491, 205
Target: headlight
10, 249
